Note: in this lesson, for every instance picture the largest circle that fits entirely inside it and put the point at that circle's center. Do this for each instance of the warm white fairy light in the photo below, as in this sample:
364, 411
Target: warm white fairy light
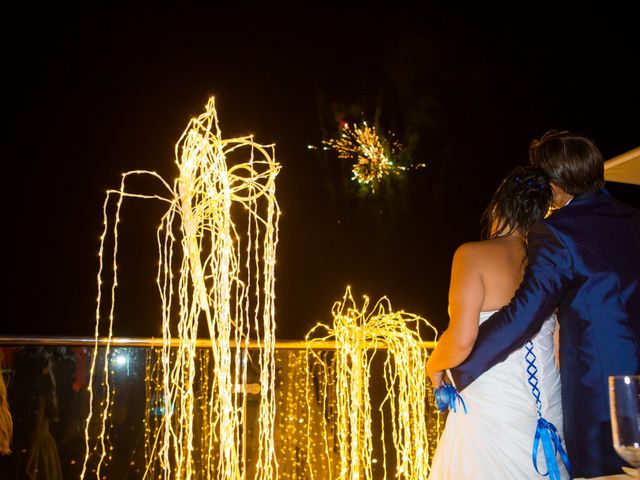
226, 281
358, 332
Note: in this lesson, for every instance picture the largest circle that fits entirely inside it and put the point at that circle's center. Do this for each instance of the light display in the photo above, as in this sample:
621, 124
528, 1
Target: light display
372, 154
358, 332
234, 410
225, 281
306, 423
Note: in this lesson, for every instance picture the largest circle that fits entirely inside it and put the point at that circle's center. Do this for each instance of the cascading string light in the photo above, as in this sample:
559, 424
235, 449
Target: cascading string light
358, 332
300, 437
233, 299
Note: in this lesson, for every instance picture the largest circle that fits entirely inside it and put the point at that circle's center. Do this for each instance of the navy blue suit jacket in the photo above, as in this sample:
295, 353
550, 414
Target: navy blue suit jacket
584, 262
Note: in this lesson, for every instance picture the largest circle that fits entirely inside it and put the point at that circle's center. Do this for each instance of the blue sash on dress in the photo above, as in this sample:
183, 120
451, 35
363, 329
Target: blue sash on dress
546, 432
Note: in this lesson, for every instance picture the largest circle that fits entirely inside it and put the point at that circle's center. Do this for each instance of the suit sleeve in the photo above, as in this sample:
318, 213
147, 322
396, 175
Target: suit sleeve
546, 278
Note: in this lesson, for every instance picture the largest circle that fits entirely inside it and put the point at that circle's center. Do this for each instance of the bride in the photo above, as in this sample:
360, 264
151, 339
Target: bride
517, 400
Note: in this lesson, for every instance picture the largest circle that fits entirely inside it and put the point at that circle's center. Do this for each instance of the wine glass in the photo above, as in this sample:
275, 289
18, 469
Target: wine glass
624, 401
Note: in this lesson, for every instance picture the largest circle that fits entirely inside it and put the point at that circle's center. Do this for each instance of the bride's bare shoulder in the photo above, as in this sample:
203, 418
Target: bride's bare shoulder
481, 251
478, 247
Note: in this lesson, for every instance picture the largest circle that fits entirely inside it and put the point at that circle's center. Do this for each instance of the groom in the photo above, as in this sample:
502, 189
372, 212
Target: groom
584, 261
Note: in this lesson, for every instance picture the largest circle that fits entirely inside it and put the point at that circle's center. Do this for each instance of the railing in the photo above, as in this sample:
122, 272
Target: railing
158, 342
47, 380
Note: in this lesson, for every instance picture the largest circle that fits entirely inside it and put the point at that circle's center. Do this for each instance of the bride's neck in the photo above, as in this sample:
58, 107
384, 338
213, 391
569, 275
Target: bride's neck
512, 234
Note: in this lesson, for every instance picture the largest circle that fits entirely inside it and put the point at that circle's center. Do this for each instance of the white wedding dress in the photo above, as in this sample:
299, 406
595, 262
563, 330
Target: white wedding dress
494, 440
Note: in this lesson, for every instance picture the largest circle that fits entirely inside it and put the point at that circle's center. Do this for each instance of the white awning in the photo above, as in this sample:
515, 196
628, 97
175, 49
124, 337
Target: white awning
624, 168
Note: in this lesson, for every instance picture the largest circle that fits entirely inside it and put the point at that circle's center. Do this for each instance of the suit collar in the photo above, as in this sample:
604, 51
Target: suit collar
588, 195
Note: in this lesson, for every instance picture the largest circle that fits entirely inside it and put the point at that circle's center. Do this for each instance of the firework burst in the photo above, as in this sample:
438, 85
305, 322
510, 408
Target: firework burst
373, 154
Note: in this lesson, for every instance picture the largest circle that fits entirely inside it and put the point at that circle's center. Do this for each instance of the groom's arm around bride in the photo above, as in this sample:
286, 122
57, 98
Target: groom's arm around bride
584, 261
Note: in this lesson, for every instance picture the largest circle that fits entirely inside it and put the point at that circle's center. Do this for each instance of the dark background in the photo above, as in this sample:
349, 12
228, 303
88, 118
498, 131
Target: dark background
94, 93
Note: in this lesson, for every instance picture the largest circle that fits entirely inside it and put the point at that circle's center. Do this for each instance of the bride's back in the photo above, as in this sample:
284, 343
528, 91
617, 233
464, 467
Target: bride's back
486, 274
493, 438
500, 263
522, 199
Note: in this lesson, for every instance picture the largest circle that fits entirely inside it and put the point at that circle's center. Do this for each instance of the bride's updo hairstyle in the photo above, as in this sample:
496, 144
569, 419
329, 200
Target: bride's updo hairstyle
522, 199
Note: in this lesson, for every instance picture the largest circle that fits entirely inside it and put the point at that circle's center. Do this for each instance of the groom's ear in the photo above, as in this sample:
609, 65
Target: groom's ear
556, 192
560, 197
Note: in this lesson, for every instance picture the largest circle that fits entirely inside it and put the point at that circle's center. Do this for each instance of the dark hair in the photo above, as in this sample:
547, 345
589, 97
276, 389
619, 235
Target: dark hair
572, 161
522, 199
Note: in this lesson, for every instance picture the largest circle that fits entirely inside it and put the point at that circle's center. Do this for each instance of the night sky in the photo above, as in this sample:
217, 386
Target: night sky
96, 93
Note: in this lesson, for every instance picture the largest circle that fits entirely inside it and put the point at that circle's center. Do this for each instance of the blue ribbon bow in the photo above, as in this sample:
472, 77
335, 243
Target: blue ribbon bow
445, 396
547, 434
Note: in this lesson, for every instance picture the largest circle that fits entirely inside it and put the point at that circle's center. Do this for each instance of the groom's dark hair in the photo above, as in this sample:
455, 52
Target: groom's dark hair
572, 161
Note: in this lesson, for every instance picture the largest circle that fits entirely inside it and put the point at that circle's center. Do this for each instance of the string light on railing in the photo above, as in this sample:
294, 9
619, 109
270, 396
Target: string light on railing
225, 281
357, 331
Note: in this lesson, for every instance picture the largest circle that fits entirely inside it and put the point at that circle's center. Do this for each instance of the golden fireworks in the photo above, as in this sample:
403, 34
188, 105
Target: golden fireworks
373, 154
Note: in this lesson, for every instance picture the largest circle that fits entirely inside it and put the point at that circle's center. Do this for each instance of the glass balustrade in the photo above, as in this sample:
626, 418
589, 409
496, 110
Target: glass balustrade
47, 382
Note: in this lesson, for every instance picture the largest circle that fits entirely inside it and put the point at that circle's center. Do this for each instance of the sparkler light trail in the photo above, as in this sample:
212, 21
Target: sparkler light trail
358, 332
225, 281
